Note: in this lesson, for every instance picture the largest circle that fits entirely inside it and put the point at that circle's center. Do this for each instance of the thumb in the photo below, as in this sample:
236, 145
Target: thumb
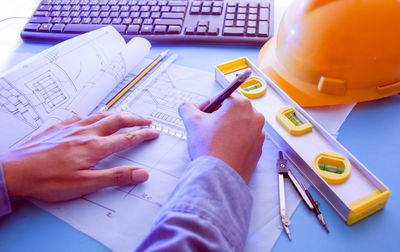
118, 176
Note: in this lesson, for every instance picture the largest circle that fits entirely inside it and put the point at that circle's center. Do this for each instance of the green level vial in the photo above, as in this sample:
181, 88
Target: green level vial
330, 168
293, 118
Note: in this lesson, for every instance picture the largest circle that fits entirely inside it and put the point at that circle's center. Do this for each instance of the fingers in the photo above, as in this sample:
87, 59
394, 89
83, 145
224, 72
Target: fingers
95, 117
118, 142
116, 121
118, 176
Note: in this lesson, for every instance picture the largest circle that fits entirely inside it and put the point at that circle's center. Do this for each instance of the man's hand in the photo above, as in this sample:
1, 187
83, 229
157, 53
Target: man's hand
232, 134
58, 164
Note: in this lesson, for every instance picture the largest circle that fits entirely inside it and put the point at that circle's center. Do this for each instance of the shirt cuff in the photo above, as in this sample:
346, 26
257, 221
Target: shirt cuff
212, 190
5, 204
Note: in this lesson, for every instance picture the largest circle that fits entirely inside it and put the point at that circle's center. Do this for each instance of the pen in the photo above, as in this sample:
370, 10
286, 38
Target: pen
217, 101
134, 81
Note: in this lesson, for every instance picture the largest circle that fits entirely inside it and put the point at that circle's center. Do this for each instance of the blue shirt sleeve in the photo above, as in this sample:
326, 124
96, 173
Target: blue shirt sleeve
209, 210
5, 205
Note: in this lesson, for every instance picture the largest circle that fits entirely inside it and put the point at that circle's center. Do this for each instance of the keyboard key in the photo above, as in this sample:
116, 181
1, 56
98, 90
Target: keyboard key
251, 31
44, 7
148, 21
189, 30
116, 21
160, 29
253, 10
241, 16
177, 3
41, 13
174, 29
133, 29
113, 14
251, 23
39, 20
228, 22
168, 22
134, 14
165, 9
216, 11
207, 4
146, 29
98, 21
240, 23
145, 14
123, 8
205, 10
68, 20
94, 14
263, 28
155, 8
242, 10
76, 20
31, 27
106, 21
195, 10
232, 31
252, 17
213, 31
201, 30
264, 13
155, 15
137, 21
230, 16
58, 28
231, 10
196, 3
124, 14
45, 27
178, 9
172, 15
127, 21
81, 28
145, 8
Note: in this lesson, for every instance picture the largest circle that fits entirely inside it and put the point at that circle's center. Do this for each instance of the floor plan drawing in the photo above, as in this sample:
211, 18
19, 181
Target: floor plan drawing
46, 88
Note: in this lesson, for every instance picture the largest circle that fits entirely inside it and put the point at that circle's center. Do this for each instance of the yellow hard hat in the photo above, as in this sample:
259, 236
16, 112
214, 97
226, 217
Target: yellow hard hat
336, 51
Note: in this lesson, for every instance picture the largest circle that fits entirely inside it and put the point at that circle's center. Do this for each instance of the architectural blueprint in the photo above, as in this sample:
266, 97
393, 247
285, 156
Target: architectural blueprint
60, 82
51, 86
120, 217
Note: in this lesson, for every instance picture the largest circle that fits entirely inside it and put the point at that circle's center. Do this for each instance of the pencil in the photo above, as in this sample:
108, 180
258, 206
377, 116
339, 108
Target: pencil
217, 101
134, 81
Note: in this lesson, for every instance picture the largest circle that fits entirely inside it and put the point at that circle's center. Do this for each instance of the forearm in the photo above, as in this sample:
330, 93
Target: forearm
208, 210
5, 205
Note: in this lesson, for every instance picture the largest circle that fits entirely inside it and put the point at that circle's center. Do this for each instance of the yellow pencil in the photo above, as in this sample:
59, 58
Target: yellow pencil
133, 82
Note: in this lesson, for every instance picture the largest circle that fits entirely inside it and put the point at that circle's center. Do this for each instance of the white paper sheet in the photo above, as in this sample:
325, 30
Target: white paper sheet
69, 78
121, 217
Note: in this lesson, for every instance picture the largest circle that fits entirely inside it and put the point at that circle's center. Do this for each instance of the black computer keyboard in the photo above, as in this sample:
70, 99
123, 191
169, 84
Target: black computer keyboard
229, 22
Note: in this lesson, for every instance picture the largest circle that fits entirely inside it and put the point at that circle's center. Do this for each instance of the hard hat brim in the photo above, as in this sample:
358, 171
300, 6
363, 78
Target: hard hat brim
307, 94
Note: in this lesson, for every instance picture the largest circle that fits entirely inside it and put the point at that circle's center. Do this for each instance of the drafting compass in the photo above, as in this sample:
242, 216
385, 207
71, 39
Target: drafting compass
284, 172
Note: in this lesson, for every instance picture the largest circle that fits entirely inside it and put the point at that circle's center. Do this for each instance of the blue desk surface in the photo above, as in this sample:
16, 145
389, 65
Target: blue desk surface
370, 133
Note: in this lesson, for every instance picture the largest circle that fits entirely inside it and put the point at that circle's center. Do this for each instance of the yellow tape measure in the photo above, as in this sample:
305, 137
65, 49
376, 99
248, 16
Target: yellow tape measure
254, 87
